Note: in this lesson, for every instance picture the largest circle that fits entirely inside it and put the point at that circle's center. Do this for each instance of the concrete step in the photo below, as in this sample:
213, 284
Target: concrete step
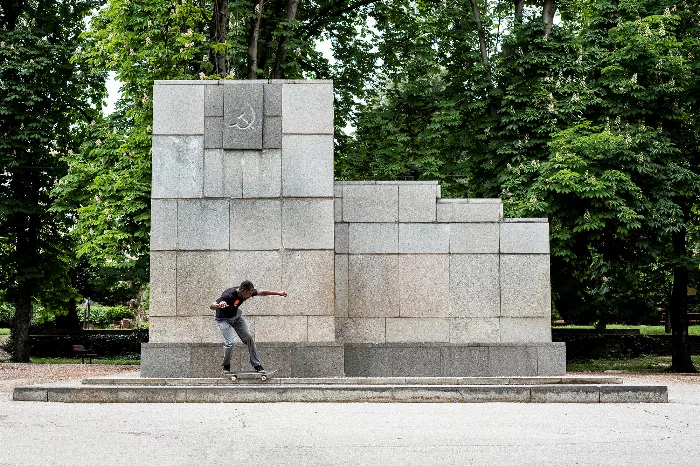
391, 390
226, 380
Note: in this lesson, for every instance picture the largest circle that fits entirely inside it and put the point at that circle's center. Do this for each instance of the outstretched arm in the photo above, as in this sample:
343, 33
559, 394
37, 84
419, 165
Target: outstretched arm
272, 293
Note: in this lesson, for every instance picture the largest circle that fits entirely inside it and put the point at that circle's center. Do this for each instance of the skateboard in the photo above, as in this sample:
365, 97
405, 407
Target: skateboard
250, 375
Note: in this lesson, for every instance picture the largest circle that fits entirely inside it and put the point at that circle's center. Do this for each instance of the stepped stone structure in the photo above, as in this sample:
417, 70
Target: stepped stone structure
384, 278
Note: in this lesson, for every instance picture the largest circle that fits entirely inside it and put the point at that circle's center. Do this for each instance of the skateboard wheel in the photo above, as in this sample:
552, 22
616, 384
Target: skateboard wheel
263, 378
234, 378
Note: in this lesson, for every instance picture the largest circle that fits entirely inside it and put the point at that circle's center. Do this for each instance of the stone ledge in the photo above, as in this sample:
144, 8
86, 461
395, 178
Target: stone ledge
386, 393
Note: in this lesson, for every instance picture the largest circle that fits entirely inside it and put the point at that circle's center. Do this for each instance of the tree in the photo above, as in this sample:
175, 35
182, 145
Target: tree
42, 95
107, 188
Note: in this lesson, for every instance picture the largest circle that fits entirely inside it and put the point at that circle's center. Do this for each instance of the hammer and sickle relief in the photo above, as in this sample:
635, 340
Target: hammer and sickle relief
245, 120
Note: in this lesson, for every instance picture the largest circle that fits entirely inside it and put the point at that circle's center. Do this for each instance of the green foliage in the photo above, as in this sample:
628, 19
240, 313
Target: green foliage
103, 344
42, 96
104, 316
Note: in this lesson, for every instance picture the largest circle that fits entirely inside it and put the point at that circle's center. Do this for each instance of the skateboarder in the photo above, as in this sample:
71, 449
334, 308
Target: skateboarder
229, 318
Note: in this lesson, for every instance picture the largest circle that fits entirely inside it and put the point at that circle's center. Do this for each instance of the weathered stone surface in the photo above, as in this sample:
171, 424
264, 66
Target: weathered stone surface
341, 285
201, 277
163, 224
417, 330
256, 224
273, 99
307, 224
374, 286
307, 165
163, 284
361, 330
513, 360
272, 132
465, 360
370, 203
425, 238
474, 285
417, 202
373, 238
524, 238
223, 173
308, 279
213, 132
342, 238
338, 209
261, 173
551, 359
565, 394
469, 210
474, 238
178, 110
180, 329
475, 330
525, 285
214, 100
526, 329
416, 361
264, 269
631, 394
424, 285
202, 224
177, 166
243, 115
281, 328
321, 328
307, 108
317, 361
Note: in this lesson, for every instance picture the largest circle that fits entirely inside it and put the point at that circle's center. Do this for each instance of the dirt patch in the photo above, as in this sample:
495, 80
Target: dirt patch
18, 374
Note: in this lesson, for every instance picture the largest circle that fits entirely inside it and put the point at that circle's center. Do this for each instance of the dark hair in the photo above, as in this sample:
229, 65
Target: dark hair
247, 285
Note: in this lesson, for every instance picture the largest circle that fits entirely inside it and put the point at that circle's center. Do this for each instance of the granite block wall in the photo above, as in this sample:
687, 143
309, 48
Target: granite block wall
243, 189
383, 277
411, 267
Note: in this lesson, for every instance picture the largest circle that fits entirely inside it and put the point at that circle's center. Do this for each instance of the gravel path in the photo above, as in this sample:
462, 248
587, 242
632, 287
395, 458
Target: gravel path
17, 374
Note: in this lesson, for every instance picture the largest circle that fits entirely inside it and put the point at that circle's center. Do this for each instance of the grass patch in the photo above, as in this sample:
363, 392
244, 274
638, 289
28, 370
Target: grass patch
693, 330
641, 364
105, 360
4, 331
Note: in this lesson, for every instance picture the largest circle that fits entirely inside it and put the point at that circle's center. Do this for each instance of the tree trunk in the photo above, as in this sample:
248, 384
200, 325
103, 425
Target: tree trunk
253, 36
278, 70
480, 32
678, 309
219, 31
519, 4
21, 322
548, 10
27, 230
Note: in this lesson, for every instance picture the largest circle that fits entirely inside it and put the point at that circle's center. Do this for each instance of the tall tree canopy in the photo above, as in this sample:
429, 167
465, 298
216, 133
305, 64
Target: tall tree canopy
43, 95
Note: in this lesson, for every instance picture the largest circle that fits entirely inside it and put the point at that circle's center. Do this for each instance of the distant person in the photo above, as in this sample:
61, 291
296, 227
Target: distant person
229, 318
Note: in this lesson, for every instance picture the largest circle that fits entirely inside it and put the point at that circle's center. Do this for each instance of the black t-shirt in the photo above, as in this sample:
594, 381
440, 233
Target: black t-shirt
231, 297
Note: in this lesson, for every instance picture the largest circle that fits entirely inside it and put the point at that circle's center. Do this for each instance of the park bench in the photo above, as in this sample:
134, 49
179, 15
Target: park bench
693, 318
82, 352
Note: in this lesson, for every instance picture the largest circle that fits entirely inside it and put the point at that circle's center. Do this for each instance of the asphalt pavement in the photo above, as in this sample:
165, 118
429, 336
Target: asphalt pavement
34, 433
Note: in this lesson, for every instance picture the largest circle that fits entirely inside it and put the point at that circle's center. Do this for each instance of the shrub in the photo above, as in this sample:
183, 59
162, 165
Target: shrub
104, 316
127, 344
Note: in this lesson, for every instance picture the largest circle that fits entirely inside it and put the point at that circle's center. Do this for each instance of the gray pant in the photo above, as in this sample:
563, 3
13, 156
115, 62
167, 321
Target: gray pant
227, 326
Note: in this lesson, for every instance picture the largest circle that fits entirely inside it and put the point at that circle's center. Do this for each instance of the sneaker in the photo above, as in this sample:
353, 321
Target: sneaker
259, 368
226, 369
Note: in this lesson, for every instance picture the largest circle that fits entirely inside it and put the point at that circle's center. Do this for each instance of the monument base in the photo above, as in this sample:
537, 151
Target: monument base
450, 360
202, 360
197, 360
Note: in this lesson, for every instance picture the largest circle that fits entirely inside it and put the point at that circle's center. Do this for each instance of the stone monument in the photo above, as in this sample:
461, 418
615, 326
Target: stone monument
384, 278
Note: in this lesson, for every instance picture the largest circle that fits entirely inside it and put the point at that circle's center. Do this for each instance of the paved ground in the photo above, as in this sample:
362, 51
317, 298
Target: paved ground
356, 434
